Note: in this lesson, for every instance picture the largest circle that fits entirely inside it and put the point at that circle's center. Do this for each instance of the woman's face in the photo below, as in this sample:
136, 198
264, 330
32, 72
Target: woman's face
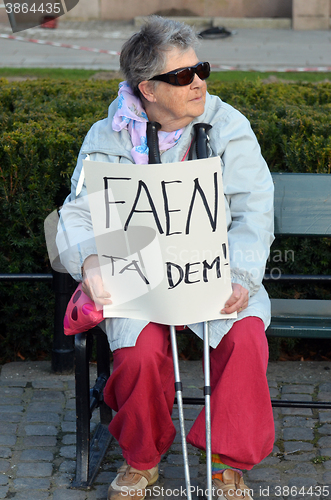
175, 106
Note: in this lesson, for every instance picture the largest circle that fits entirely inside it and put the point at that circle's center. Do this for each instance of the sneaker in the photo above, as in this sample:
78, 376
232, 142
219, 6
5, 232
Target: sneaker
131, 483
232, 487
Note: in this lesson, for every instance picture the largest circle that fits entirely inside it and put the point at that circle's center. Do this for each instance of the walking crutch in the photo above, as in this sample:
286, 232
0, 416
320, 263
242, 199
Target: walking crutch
201, 142
179, 389
207, 391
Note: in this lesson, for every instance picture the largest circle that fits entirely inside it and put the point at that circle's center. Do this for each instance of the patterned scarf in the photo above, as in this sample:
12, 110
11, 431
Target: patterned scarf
131, 116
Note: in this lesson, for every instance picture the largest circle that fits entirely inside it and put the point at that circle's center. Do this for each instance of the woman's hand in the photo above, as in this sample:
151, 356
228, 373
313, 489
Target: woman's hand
92, 283
238, 300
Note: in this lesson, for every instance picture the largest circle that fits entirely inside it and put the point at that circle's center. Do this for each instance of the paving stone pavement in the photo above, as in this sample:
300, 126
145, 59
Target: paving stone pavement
37, 437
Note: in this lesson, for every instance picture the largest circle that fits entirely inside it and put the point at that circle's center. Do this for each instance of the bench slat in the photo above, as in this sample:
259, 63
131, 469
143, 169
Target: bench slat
302, 204
302, 308
317, 331
300, 318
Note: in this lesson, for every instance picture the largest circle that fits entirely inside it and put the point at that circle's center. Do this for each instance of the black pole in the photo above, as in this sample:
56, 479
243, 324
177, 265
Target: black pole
63, 345
153, 142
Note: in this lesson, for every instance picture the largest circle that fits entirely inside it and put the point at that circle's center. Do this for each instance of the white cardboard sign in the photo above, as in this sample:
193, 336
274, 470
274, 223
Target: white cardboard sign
161, 237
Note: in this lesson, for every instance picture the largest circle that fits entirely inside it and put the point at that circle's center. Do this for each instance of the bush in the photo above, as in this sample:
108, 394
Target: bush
43, 126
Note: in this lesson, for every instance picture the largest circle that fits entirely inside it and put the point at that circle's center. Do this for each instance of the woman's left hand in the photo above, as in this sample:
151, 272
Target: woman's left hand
238, 300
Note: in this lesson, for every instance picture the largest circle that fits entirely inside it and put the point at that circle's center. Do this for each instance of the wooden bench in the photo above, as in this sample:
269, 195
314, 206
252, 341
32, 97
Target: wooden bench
302, 209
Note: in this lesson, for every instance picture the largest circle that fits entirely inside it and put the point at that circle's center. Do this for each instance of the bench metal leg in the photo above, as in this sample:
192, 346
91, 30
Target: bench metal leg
104, 373
82, 381
101, 437
90, 453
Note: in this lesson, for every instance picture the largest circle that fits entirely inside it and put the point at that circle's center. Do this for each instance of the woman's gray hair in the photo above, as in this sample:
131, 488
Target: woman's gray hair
144, 54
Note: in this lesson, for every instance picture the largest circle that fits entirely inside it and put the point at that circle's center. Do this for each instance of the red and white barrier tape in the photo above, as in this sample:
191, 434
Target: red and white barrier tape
56, 44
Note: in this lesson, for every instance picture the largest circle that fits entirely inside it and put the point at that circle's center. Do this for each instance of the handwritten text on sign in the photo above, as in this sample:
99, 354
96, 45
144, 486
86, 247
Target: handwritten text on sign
162, 240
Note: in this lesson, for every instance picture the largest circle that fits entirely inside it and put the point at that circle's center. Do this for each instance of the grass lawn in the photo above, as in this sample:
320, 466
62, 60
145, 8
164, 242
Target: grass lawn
226, 76
236, 76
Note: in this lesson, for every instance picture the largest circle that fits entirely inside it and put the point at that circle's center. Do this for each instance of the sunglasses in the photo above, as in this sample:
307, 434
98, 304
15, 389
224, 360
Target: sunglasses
185, 76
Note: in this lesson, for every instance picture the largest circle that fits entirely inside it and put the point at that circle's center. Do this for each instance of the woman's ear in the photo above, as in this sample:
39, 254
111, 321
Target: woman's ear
147, 90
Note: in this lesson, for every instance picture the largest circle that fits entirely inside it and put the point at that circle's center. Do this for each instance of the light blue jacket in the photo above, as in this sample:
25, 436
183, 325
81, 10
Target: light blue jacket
248, 190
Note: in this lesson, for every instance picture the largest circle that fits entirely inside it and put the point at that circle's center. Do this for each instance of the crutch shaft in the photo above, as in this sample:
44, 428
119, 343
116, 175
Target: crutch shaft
178, 387
207, 392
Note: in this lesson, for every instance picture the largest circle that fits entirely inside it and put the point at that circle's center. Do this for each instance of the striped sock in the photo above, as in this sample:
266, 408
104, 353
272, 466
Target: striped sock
218, 467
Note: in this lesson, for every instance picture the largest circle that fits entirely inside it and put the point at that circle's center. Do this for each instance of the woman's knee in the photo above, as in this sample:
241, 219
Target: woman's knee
246, 336
152, 345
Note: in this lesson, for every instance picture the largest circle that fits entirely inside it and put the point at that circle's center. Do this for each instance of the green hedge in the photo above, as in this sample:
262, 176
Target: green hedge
43, 125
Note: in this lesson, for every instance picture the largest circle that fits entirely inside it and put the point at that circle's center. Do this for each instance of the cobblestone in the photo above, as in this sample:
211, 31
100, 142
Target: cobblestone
324, 396
66, 494
7, 440
324, 417
30, 483
34, 470
3, 491
295, 446
40, 430
264, 474
325, 429
327, 477
11, 408
298, 389
305, 412
32, 441
10, 417
33, 494
35, 455
296, 397
68, 451
305, 469
68, 466
291, 433
48, 384
299, 482
45, 407
68, 426
302, 457
325, 442
326, 387
40, 395
7, 428
274, 393
52, 418
69, 439
298, 422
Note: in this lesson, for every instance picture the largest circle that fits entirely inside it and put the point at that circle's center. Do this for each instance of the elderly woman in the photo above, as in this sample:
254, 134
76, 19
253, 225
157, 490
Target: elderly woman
166, 83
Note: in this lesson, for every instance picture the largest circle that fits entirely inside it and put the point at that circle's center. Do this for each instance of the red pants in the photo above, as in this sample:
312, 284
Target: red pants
141, 391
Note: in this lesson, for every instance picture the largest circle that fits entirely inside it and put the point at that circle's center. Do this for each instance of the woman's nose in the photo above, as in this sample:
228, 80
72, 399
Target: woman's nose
197, 82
